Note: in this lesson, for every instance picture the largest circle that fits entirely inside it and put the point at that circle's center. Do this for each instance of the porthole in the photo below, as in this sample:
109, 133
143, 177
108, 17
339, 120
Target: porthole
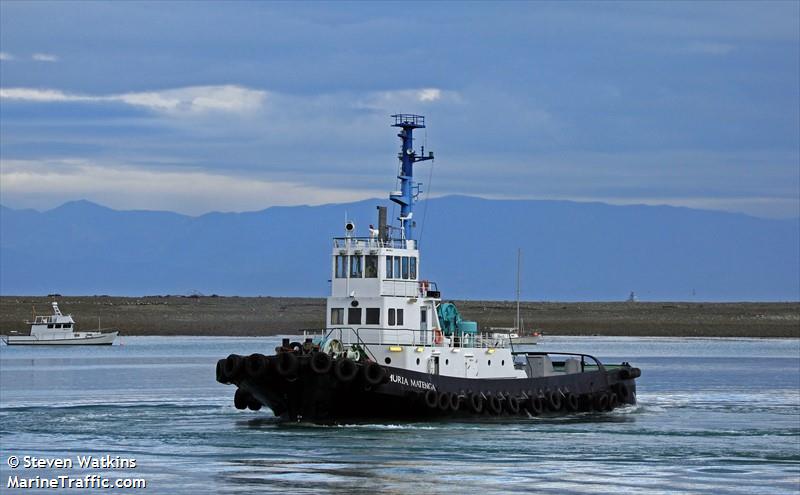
503, 362
388, 360
417, 360
489, 363
446, 361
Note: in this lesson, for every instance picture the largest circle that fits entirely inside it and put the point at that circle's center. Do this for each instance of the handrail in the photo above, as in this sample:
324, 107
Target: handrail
417, 337
548, 354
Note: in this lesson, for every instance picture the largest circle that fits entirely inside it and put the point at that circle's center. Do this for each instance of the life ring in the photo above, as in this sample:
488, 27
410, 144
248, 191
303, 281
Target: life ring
233, 366
476, 403
431, 399
571, 401
256, 365
438, 338
373, 373
321, 363
345, 370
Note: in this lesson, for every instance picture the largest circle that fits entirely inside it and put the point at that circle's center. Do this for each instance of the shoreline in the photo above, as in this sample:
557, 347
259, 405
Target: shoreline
234, 316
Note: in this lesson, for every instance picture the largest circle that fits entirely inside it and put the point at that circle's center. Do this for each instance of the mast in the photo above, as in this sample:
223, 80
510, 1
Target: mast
408, 189
517, 322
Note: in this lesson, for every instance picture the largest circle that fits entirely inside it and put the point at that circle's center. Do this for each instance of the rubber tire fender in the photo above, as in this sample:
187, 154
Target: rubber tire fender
241, 399
495, 407
345, 370
232, 367
253, 404
623, 392
255, 365
613, 401
601, 402
221, 372
512, 404
455, 401
554, 400
444, 401
534, 405
321, 363
431, 399
476, 403
571, 402
287, 364
374, 373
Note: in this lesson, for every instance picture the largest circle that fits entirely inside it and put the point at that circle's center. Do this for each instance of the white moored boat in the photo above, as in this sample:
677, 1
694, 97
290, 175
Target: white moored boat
58, 329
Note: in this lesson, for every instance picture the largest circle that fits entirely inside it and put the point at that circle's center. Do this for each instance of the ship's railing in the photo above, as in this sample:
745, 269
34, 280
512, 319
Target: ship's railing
372, 243
588, 362
409, 118
366, 336
409, 288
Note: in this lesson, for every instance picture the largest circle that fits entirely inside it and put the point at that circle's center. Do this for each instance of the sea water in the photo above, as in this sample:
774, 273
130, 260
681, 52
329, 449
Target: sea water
714, 416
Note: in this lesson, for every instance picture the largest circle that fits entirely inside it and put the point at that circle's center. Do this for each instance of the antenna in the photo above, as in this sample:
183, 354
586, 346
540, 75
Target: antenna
408, 157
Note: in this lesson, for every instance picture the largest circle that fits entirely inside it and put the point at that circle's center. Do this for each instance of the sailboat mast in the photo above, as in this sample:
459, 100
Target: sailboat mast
519, 256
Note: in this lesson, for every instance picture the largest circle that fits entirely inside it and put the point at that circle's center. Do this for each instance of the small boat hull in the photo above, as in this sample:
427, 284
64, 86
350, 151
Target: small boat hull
102, 339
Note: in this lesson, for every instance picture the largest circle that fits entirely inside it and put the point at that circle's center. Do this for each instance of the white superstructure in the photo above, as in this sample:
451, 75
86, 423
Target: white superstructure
58, 329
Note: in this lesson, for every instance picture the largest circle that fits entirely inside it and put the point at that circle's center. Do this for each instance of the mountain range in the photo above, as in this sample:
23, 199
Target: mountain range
570, 251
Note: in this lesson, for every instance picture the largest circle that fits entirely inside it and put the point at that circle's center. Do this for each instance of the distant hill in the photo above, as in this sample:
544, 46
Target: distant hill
571, 251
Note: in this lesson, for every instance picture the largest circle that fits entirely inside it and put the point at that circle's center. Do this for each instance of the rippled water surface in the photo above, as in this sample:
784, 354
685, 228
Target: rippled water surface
714, 416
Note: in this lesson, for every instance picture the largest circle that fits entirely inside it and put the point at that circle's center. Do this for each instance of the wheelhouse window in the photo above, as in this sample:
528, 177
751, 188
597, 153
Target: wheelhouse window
50, 325
371, 266
405, 267
58, 325
341, 266
399, 317
354, 316
337, 316
373, 316
413, 262
388, 267
392, 317
356, 270
67, 325
396, 267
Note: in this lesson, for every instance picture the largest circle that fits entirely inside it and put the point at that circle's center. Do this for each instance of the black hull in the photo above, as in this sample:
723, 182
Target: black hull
326, 395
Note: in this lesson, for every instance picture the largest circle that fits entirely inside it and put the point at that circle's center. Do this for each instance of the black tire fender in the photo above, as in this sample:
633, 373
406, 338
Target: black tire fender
287, 364
455, 401
571, 402
321, 363
494, 405
345, 370
534, 405
623, 392
241, 399
613, 401
512, 404
255, 365
374, 373
232, 367
431, 399
221, 372
554, 400
601, 402
476, 403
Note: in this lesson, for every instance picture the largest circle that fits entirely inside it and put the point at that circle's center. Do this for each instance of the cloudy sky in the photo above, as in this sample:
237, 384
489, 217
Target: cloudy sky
195, 107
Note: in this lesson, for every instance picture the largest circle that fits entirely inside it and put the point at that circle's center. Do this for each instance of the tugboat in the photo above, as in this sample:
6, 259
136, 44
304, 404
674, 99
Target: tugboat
393, 349
58, 329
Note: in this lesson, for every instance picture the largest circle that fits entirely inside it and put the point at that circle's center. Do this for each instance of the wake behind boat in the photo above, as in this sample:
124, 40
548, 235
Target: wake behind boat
394, 349
58, 329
